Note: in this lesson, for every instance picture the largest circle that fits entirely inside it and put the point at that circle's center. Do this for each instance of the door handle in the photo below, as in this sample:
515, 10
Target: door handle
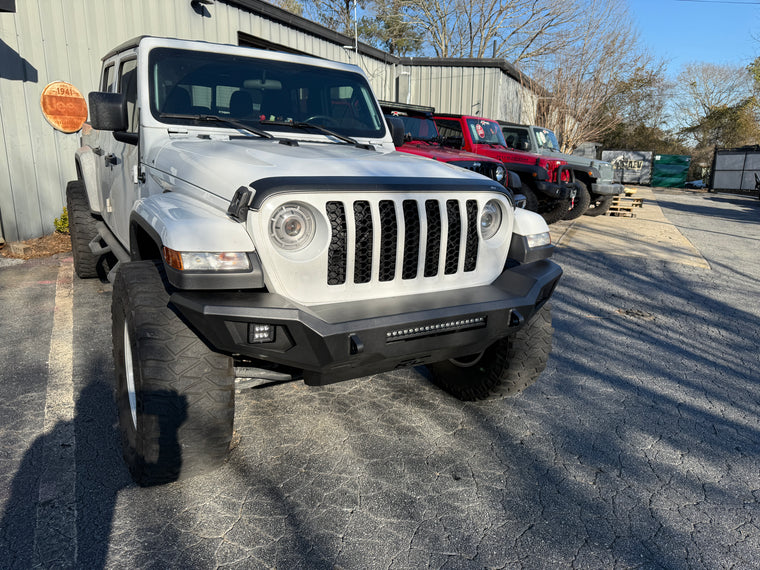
97, 150
111, 159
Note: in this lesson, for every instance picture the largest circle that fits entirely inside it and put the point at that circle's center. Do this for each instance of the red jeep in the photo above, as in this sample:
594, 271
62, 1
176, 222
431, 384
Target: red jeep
421, 138
547, 183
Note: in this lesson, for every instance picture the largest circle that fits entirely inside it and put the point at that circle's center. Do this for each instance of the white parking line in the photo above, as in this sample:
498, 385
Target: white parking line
55, 535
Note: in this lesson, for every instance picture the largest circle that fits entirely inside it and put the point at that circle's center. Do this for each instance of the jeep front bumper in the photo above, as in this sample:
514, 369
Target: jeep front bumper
351, 339
564, 191
607, 188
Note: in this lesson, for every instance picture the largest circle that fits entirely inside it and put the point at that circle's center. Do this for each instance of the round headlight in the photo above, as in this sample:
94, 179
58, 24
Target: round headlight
500, 173
292, 226
490, 219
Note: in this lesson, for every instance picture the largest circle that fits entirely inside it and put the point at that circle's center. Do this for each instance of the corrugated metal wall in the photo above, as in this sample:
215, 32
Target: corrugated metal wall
486, 91
52, 40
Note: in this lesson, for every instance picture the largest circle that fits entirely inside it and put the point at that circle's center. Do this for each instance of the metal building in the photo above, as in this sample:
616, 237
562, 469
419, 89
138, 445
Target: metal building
42, 41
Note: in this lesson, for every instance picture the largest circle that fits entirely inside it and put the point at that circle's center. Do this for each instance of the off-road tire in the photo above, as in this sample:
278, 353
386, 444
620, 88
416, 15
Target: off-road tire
600, 206
580, 204
505, 368
82, 230
554, 210
531, 200
183, 391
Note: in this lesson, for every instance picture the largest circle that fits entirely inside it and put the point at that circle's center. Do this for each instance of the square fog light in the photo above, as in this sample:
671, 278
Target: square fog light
259, 333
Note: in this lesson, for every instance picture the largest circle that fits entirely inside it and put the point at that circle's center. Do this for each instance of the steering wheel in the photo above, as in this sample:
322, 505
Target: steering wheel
323, 120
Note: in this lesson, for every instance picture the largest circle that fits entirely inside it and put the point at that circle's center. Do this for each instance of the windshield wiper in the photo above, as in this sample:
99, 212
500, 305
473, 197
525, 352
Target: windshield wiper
325, 131
216, 119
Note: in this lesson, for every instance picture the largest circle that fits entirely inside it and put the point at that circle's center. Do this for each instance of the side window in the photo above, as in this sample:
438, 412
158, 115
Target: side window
128, 86
449, 128
524, 139
516, 138
107, 81
451, 132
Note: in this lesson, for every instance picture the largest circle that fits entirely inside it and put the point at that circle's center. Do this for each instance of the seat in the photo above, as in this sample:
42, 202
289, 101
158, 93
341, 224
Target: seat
241, 105
178, 102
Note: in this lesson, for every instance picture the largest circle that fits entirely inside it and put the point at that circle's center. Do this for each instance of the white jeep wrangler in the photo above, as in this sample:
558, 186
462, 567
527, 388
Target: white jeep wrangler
259, 226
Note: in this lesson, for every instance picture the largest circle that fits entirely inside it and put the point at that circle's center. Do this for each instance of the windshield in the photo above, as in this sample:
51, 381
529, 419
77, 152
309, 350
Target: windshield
263, 93
484, 131
546, 139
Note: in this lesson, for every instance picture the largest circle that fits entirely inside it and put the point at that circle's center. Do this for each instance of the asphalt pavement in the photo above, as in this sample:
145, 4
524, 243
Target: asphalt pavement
639, 446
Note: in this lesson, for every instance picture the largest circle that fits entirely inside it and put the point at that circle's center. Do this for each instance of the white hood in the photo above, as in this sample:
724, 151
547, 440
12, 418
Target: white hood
222, 166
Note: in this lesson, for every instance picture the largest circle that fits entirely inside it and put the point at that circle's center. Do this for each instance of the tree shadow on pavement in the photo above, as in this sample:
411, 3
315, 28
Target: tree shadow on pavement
70, 526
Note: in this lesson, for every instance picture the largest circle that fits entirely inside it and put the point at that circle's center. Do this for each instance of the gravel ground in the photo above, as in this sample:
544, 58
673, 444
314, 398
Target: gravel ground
638, 447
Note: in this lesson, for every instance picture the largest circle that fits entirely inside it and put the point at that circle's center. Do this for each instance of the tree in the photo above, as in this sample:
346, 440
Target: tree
707, 88
337, 15
292, 6
392, 30
637, 136
716, 106
518, 30
597, 77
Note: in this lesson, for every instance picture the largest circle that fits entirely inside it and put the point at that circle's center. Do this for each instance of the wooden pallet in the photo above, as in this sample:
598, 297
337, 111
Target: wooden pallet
623, 206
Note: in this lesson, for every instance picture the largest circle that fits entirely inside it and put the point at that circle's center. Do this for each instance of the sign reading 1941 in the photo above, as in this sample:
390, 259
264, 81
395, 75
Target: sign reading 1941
63, 106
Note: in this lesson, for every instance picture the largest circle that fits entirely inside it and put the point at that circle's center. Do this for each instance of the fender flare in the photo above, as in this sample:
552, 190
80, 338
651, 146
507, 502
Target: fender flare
84, 158
534, 171
182, 223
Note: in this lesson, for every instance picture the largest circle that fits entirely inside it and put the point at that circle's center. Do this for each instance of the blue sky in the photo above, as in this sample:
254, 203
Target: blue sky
717, 31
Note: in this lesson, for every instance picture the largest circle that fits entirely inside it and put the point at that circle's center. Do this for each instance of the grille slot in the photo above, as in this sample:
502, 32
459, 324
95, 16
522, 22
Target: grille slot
412, 241
363, 250
336, 254
471, 247
405, 239
388, 240
433, 249
455, 231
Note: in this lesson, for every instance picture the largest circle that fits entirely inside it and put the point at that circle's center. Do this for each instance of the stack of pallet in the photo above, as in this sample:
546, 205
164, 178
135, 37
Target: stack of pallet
623, 205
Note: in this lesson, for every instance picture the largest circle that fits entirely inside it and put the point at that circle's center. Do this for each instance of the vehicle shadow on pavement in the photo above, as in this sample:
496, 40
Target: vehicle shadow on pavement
636, 448
66, 527
742, 208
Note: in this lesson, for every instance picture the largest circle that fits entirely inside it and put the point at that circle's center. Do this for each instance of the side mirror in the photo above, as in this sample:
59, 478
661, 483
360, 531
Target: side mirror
397, 130
108, 111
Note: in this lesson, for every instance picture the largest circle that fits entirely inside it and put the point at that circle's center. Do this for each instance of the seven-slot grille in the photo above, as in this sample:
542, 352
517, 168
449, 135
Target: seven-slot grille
411, 235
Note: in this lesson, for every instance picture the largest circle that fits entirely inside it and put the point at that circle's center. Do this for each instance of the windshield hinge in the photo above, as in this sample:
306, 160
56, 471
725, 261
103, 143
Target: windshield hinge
238, 209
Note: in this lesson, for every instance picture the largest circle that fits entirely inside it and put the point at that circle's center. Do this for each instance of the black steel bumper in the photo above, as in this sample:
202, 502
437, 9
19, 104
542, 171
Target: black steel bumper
351, 339
563, 191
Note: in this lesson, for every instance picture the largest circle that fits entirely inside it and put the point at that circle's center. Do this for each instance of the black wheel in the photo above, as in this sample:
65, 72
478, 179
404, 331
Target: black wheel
553, 210
175, 395
505, 368
600, 206
82, 230
580, 203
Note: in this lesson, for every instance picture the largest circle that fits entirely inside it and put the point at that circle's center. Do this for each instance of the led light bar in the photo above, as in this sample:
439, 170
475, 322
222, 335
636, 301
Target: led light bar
433, 329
